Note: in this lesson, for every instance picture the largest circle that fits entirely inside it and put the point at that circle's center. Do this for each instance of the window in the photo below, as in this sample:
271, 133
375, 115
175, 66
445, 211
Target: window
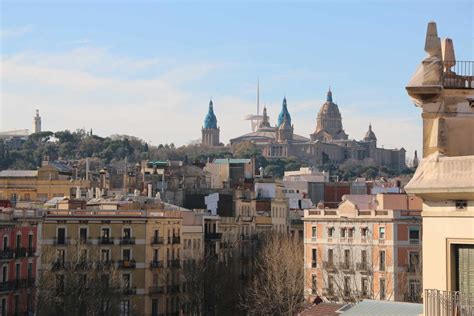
105, 233
154, 307
5, 242
83, 234
364, 232
382, 289
313, 258
314, 284
60, 255
16, 304
127, 233
61, 237
18, 241
381, 232
330, 256
125, 308
351, 232
413, 261
364, 287
330, 284
126, 280
59, 283
126, 254
30, 271
414, 290
18, 271
414, 235
382, 260
363, 257
105, 255
155, 255
343, 233
3, 306
4, 273
347, 286
330, 232
30, 243
347, 257
313, 232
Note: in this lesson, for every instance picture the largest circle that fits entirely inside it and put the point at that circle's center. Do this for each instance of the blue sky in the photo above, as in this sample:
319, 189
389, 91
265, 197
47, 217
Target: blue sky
149, 68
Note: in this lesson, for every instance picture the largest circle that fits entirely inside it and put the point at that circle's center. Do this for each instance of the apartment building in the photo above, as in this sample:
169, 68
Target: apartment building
19, 231
142, 244
51, 180
443, 88
368, 247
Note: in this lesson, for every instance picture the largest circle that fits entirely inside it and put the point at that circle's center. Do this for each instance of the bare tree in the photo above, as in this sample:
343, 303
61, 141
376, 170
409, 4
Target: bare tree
75, 281
277, 287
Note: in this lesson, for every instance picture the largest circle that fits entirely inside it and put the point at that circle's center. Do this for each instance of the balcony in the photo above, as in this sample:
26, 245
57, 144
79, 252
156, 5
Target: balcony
105, 240
61, 241
174, 263
127, 264
31, 252
328, 292
213, 236
6, 254
447, 303
157, 241
20, 252
173, 289
105, 264
60, 265
127, 240
156, 264
85, 240
129, 291
458, 75
362, 266
346, 267
156, 290
176, 240
329, 265
4, 286
413, 268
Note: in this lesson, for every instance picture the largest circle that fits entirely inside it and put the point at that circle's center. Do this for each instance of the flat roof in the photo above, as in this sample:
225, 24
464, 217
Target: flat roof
386, 308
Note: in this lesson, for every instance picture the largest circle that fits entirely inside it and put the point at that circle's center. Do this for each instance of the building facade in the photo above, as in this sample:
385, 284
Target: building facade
367, 248
444, 89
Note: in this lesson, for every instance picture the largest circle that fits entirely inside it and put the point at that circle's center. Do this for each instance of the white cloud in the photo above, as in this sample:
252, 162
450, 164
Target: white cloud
15, 32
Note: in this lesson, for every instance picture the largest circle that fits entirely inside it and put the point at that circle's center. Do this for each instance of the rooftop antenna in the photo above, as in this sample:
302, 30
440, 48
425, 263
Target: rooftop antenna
258, 96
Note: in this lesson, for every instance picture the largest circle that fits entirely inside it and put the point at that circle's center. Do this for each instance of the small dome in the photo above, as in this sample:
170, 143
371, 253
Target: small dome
370, 135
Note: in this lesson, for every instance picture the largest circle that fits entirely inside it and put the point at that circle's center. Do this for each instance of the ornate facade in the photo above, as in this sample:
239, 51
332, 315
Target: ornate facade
327, 144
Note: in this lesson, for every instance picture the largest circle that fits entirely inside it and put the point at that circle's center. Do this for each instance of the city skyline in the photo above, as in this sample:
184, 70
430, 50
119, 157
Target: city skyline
94, 72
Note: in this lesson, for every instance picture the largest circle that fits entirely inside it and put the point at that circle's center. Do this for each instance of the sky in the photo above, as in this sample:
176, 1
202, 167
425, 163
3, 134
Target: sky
149, 68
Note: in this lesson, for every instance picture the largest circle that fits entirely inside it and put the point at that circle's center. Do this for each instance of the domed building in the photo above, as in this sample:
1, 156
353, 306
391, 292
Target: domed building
210, 131
327, 144
328, 122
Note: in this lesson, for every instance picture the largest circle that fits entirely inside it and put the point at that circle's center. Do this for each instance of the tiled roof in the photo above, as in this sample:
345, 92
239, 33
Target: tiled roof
322, 309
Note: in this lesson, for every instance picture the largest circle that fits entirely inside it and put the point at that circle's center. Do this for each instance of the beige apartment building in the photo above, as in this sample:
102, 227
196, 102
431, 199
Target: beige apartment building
144, 245
51, 180
367, 248
443, 88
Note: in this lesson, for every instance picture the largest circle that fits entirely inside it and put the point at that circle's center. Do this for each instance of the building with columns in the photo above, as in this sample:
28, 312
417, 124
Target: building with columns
329, 143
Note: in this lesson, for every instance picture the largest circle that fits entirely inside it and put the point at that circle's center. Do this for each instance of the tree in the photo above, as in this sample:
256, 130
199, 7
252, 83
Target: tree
277, 287
74, 281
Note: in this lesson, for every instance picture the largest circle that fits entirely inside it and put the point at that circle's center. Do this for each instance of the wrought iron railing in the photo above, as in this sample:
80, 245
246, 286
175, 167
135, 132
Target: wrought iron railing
448, 303
458, 74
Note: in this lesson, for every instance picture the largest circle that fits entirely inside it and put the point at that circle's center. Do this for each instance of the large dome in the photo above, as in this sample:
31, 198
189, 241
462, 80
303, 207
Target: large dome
329, 122
370, 135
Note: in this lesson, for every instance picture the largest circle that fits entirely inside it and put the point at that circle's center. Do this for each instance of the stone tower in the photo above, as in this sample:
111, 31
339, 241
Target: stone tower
264, 123
328, 122
284, 132
210, 131
37, 123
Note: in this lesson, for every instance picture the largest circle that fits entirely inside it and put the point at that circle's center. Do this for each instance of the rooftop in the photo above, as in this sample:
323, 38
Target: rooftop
18, 174
386, 308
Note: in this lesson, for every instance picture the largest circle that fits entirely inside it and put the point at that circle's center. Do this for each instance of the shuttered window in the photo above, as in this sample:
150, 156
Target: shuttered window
465, 268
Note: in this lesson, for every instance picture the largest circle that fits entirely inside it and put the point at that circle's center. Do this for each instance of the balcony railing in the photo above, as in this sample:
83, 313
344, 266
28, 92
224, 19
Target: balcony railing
458, 75
329, 265
176, 240
127, 264
6, 254
173, 289
20, 252
130, 291
448, 303
413, 268
157, 240
127, 240
174, 263
213, 236
156, 290
85, 240
61, 241
347, 266
31, 252
106, 240
362, 266
156, 264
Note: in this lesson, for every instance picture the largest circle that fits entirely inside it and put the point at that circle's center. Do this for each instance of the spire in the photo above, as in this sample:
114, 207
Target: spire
264, 123
329, 97
210, 120
284, 114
